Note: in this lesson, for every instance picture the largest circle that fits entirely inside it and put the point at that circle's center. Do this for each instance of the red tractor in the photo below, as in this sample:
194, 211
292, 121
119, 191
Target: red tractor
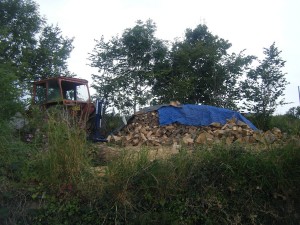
72, 94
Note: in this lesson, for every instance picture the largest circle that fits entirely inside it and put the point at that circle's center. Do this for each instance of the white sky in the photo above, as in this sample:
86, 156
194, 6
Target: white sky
247, 24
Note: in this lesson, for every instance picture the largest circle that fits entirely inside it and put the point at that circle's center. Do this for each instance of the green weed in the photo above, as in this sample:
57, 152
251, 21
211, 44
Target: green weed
218, 184
15, 172
64, 159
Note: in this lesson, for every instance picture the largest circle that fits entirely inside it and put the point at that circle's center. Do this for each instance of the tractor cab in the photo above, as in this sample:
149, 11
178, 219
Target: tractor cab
61, 90
71, 93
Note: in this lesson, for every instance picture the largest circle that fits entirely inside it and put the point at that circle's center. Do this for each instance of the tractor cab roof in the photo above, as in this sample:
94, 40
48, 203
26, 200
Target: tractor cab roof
68, 79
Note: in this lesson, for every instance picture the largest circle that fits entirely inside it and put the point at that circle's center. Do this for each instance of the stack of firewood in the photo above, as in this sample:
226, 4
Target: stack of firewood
144, 129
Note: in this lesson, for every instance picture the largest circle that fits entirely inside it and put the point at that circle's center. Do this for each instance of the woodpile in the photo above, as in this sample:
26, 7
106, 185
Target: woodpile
144, 130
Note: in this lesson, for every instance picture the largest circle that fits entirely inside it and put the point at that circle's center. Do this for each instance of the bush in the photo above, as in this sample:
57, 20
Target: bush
261, 121
110, 123
294, 112
286, 123
14, 153
15, 172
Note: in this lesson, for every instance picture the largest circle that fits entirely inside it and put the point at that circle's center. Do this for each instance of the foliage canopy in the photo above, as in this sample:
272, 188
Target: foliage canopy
263, 89
126, 66
138, 69
30, 49
201, 71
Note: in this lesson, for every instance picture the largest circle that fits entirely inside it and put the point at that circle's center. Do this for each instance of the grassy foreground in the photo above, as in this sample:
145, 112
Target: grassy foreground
57, 183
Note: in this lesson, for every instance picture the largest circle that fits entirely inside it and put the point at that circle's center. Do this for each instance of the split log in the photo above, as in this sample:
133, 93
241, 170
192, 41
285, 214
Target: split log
144, 129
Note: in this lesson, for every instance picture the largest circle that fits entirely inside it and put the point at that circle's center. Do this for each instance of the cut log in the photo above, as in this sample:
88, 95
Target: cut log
144, 129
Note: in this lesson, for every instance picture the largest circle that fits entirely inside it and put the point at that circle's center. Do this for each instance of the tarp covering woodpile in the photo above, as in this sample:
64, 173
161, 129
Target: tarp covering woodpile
198, 115
189, 124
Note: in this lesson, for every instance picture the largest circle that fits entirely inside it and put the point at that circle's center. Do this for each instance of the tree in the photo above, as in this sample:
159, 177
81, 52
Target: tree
29, 48
263, 89
9, 93
201, 71
294, 112
20, 22
126, 66
50, 56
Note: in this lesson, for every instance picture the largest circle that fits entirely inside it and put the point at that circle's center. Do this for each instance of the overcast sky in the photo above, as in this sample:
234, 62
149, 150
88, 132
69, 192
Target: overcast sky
247, 24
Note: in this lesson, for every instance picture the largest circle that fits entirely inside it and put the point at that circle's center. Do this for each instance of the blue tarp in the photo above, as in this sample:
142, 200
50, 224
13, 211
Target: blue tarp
198, 115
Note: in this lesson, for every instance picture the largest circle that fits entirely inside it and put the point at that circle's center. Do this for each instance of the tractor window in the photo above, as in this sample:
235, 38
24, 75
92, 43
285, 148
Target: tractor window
40, 95
53, 91
70, 94
82, 93
75, 91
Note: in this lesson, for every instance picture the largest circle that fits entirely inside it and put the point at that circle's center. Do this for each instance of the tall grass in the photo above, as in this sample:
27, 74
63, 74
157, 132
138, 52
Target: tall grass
64, 159
220, 185
54, 163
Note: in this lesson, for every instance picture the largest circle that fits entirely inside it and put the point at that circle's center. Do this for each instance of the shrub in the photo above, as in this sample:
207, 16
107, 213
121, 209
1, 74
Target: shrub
15, 171
286, 123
